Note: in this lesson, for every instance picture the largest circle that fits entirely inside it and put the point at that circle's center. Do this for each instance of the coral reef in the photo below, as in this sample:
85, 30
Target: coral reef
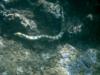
49, 37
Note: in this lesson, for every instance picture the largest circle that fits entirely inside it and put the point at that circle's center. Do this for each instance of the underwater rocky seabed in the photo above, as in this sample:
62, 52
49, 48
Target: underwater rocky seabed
49, 37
